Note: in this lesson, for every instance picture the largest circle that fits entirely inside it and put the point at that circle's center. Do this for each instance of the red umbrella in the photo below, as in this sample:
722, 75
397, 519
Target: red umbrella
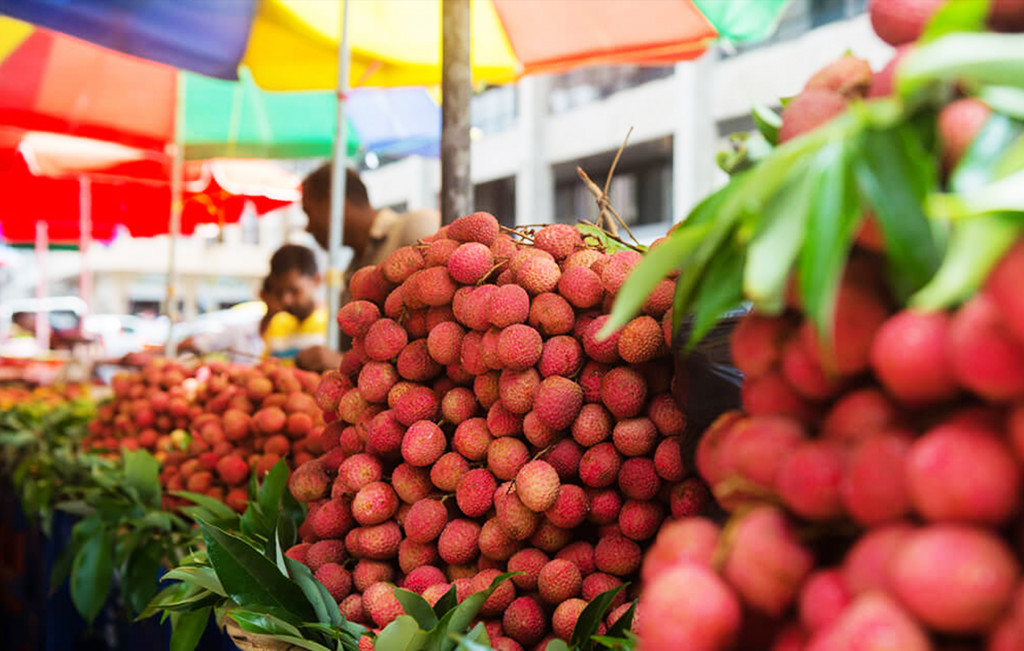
43, 175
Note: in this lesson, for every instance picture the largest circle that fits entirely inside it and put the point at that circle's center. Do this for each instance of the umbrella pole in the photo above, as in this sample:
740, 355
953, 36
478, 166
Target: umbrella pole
456, 90
177, 173
336, 270
84, 239
42, 316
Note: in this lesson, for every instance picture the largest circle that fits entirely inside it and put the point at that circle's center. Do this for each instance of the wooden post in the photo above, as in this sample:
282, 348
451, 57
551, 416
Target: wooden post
456, 91
337, 264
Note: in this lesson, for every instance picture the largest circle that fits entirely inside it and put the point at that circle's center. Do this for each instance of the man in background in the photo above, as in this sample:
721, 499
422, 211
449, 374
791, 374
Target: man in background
296, 319
372, 234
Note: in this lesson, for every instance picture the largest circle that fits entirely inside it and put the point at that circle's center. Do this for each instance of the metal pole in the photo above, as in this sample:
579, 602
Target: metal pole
177, 174
42, 316
456, 90
85, 239
336, 266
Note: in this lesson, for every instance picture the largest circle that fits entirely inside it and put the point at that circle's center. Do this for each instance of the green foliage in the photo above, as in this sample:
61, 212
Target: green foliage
797, 209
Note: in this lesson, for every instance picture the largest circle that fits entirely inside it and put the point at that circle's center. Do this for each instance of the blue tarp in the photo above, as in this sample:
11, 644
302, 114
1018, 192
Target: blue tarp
205, 36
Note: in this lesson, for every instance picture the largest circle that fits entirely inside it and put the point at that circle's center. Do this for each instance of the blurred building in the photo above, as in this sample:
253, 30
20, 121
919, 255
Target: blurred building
529, 138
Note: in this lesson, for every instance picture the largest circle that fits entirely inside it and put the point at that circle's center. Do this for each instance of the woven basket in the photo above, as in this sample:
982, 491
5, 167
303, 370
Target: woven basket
252, 642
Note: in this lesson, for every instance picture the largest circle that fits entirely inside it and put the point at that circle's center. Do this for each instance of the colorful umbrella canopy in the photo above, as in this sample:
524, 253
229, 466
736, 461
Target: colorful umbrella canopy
52, 82
293, 44
43, 178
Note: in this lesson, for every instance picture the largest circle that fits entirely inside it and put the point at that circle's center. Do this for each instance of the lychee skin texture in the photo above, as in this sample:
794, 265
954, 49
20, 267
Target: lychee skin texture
356, 317
421, 578
519, 346
592, 425
564, 619
898, 22
874, 486
475, 492
955, 579
537, 485
325, 551
517, 521
509, 304
479, 227
1004, 287
425, 521
618, 269
538, 275
457, 544
623, 392
964, 474
470, 263
617, 555
638, 479
517, 389
449, 469
551, 315
987, 359
560, 240
756, 343
558, 581
336, 579
309, 482
333, 519
641, 340
808, 111
524, 621
384, 340
635, 437
606, 350
600, 465
444, 343
706, 616
506, 456
423, 444
570, 508
529, 561
581, 287
557, 402
562, 355
380, 603
381, 541
374, 503
689, 539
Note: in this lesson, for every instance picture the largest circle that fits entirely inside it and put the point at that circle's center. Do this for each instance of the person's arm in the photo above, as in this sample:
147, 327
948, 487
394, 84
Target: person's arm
318, 359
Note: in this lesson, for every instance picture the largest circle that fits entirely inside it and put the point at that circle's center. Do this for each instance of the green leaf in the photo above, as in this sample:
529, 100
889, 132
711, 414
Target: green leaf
173, 593
139, 577
590, 619
403, 634
319, 598
187, 629
216, 507
653, 268
955, 17
975, 246
250, 577
557, 645
1004, 195
894, 172
91, 572
447, 602
62, 566
204, 577
623, 623
255, 524
467, 611
773, 251
1004, 99
834, 213
767, 121
475, 640
142, 472
985, 159
983, 59
274, 485
417, 607
721, 290
262, 623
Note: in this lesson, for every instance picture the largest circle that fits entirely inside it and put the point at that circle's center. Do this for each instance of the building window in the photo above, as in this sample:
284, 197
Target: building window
497, 197
641, 189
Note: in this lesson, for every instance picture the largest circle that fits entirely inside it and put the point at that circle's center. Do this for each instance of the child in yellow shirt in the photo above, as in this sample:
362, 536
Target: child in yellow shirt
295, 317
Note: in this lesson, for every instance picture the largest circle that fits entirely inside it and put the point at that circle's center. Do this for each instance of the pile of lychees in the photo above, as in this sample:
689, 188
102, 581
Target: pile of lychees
480, 426
212, 424
875, 473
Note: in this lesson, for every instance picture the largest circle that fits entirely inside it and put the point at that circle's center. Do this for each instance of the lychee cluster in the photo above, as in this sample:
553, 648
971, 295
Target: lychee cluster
874, 476
212, 424
488, 429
